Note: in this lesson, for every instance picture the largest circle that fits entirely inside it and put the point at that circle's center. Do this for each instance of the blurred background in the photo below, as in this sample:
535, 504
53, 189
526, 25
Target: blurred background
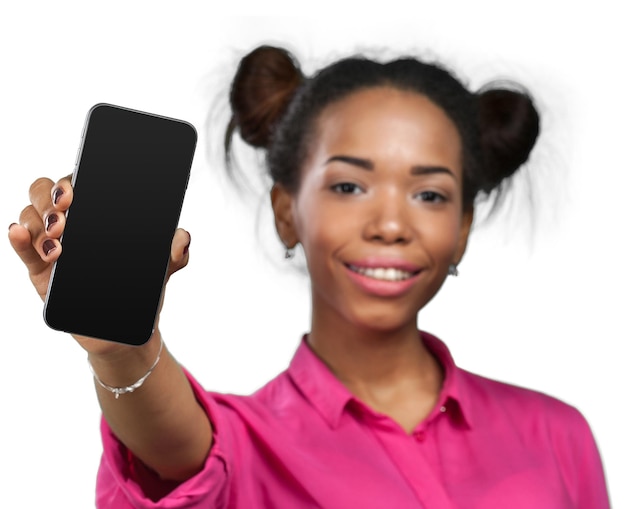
539, 299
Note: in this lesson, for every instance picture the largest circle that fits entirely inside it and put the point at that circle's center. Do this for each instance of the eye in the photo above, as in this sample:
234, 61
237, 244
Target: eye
431, 197
347, 188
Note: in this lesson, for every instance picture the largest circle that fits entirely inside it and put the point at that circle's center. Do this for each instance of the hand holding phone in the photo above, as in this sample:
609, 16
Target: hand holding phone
128, 186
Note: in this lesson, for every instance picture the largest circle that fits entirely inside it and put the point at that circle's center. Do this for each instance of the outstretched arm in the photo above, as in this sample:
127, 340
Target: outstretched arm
161, 422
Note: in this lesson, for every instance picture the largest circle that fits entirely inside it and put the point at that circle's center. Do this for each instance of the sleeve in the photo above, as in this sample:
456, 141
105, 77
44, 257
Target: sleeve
581, 463
124, 482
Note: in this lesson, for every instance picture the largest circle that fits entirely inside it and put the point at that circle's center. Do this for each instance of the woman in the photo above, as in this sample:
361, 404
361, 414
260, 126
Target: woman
376, 168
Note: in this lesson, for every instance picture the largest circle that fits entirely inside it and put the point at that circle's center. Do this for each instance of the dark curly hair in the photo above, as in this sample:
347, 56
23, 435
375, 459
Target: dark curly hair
275, 107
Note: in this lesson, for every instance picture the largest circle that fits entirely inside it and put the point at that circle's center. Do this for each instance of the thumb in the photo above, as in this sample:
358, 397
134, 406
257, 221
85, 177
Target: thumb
179, 255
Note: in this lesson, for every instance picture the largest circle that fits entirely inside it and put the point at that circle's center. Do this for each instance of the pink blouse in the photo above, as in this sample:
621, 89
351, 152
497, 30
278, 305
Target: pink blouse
304, 441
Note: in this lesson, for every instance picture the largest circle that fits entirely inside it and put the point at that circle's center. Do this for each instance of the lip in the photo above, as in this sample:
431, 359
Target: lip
379, 287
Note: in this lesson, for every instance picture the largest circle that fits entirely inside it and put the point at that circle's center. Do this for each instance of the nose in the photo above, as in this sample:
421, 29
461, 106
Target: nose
389, 220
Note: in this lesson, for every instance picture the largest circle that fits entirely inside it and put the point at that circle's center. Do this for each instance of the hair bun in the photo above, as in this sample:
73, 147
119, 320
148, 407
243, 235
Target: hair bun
265, 82
508, 126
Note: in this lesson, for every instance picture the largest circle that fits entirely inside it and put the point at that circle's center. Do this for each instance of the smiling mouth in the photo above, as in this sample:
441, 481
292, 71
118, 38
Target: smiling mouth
383, 273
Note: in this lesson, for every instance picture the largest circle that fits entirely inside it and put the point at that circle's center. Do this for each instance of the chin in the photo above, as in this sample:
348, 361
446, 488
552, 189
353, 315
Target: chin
385, 322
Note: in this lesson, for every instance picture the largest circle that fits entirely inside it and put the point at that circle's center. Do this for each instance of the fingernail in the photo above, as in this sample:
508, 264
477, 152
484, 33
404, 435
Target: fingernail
50, 220
48, 247
56, 196
11, 226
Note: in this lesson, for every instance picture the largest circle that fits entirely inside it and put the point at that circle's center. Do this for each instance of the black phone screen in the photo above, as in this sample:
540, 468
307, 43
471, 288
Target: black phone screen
129, 186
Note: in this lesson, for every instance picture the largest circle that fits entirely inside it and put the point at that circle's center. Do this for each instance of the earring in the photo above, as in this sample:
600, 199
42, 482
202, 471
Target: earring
289, 253
452, 270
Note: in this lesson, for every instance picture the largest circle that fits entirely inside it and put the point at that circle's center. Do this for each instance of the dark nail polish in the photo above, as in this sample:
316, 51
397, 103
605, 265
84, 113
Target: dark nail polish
56, 196
50, 220
48, 246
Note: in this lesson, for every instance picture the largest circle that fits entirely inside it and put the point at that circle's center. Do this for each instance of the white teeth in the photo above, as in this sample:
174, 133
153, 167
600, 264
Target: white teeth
387, 274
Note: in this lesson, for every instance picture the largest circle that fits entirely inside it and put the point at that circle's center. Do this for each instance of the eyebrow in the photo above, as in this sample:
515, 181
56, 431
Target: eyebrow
367, 164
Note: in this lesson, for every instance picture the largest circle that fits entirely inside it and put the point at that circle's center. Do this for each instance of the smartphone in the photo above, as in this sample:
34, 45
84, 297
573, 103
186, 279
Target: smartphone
129, 183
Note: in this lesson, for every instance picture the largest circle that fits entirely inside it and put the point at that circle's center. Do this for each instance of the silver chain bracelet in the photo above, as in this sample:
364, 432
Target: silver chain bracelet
131, 388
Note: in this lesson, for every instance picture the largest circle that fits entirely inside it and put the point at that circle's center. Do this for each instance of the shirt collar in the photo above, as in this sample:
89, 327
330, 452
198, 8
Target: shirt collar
453, 393
318, 384
330, 397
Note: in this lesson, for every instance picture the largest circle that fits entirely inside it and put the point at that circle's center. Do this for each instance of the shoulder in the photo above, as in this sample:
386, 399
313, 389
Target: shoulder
536, 417
490, 401
267, 403
520, 401
546, 427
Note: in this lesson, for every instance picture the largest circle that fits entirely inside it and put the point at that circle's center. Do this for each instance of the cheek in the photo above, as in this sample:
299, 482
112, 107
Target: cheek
322, 231
440, 235
319, 234
307, 222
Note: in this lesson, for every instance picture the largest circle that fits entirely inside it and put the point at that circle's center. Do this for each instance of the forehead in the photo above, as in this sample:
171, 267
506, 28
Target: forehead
387, 120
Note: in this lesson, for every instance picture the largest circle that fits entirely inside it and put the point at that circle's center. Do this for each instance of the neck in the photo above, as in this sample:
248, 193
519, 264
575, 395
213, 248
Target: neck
362, 354
375, 363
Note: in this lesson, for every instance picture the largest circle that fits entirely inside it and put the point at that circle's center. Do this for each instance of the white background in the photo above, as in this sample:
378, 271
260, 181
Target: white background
536, 306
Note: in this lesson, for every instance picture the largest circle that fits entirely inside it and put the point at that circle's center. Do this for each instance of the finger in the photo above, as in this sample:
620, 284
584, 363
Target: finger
20, 240
40, 195
47, 248
43, 193
179, 256
62, 194
54, 223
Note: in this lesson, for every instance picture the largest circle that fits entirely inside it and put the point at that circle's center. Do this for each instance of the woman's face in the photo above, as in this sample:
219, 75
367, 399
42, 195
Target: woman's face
379, 210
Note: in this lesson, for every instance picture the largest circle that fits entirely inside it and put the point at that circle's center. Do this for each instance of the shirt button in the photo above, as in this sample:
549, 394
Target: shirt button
420, 436
442, 408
